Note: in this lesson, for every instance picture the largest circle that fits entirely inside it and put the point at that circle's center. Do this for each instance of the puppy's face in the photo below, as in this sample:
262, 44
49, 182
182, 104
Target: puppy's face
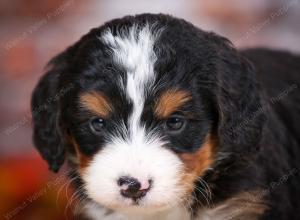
141, 131
148, 110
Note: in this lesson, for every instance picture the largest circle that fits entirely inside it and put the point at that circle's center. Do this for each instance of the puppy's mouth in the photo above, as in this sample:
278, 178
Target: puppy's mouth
135, 201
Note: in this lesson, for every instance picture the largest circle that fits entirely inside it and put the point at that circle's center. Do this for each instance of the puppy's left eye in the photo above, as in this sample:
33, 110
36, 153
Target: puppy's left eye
97, 124
175, 123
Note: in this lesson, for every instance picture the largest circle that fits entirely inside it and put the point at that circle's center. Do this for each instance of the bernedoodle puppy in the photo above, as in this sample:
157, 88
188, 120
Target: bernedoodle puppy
158, 119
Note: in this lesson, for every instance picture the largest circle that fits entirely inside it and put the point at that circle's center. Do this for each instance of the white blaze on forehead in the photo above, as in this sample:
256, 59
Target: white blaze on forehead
134, 51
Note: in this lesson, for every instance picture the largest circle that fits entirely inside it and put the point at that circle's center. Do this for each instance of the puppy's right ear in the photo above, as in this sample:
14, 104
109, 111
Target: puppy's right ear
47, 131
49, 134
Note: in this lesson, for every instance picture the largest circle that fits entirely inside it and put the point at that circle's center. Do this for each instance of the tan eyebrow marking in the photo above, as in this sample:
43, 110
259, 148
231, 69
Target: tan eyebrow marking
170, 101
97, 103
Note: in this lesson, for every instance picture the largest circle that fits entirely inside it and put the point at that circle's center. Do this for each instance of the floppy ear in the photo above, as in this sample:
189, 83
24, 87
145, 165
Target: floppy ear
49, 134
47, 131
240, 109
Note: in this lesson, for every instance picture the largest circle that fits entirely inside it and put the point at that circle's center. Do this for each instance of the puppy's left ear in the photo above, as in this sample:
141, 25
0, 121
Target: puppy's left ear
241, 118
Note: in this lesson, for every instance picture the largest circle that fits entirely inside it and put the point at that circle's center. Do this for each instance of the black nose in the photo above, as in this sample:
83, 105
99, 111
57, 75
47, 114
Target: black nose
132, 188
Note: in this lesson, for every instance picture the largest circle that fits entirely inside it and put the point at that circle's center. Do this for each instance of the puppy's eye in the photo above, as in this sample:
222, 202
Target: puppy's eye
97, 124
175, 123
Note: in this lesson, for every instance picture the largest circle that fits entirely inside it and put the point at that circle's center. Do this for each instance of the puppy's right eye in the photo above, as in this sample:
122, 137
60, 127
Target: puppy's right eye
97, 125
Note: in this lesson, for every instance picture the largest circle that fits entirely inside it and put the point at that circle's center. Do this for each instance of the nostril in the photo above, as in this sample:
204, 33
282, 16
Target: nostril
133, 188
122, 180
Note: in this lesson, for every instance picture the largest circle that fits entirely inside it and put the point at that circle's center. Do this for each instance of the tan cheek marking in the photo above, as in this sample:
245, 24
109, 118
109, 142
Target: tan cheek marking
83, 159
197, 163
170, 101
97, 103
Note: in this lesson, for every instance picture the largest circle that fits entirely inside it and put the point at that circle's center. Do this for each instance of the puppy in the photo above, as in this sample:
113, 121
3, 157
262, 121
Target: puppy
158, 119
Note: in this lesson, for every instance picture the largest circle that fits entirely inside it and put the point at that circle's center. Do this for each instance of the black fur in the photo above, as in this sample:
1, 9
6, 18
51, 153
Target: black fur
235, 96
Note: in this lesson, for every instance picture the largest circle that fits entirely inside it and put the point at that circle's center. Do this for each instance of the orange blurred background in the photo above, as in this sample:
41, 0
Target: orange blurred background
33, 31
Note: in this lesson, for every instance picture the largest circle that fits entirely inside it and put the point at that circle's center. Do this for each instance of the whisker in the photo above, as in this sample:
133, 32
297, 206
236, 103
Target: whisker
66, 184
75, 195
206, 186
200, 190
79, 205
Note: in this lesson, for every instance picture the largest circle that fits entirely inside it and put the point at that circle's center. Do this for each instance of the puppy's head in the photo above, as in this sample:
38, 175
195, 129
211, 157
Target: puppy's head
144, 106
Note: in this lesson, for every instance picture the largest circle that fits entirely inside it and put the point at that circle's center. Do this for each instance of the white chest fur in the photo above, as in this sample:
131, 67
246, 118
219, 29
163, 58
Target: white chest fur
177, 213
246, 206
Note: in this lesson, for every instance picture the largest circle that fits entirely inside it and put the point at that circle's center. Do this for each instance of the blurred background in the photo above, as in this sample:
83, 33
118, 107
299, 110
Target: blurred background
33, 31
